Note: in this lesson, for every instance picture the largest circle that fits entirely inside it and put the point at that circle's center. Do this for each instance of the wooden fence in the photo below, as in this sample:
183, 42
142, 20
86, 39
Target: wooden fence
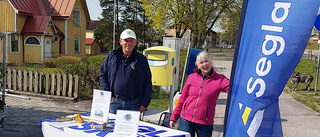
58, 84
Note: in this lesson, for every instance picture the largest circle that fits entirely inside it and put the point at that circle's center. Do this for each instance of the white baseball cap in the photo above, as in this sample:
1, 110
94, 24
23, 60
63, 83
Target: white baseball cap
128, 33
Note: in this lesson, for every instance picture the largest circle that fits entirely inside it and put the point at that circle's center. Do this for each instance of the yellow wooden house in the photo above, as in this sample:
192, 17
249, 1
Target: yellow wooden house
36, 30
93, 46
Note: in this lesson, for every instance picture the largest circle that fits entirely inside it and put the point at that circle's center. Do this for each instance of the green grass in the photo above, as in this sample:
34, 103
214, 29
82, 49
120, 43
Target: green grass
307, 98
310, 99
313, 46
306, 66
159, 99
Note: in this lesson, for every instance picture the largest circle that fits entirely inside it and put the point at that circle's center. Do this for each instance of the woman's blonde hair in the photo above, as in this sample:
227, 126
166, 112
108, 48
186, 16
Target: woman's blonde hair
205, 55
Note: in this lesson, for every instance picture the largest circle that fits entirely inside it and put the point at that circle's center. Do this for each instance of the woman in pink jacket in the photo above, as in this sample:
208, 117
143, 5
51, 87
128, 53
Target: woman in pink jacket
196, 106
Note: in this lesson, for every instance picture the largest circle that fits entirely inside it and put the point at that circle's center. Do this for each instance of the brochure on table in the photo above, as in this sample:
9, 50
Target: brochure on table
100, 105
126, 124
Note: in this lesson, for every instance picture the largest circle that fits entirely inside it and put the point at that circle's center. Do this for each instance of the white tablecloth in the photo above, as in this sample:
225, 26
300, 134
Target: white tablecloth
51, 128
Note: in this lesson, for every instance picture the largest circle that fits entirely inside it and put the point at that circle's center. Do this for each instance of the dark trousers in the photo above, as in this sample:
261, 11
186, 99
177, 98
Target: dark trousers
202, 130
130, 104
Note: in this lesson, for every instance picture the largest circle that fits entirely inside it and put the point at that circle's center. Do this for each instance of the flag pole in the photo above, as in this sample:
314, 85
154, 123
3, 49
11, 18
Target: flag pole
114, 24
185, 66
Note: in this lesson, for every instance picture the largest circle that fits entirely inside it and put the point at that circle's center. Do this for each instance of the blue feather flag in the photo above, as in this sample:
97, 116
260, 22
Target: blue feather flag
272, 37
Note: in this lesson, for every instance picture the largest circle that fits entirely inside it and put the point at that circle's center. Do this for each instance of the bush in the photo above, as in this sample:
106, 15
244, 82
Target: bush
92, 75
87, 68
61, 61
78, 69
49, 63
96, 60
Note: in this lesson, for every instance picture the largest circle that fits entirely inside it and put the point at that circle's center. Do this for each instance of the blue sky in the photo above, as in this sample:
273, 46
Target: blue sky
94, 9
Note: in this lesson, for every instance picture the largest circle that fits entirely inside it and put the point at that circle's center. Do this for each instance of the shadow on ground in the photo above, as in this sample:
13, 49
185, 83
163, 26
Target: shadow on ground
21, 122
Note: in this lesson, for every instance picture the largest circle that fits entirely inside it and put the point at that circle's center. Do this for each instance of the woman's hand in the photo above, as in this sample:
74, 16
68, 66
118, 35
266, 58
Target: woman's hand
172, 124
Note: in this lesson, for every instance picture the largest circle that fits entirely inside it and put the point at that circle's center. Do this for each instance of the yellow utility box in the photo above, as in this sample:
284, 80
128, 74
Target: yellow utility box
161, 61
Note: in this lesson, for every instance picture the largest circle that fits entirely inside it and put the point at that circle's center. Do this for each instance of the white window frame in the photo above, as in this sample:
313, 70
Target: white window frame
12, 44
74, 45
76, 18
31, 36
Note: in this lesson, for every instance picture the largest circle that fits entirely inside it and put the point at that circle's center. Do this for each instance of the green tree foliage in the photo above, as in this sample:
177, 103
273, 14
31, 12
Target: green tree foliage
105, 30
129, 15
197, 15
164, 14
230, 22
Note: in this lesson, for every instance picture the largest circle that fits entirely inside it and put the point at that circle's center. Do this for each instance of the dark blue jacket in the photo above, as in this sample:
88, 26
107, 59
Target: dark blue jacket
142, 74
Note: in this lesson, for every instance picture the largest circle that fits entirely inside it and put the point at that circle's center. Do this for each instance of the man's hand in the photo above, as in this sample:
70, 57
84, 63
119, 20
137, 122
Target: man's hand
142, 108
112, 100
172, 124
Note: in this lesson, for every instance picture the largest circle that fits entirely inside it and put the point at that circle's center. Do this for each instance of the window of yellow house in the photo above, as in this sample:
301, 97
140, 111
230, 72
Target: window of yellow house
14, 46
76, 18
32, 40
56, 39
76, 44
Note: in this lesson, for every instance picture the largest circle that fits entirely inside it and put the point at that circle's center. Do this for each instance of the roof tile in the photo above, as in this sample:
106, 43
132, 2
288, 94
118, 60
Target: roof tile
94, 25
89, 40
57, 8
39, 12
35, 25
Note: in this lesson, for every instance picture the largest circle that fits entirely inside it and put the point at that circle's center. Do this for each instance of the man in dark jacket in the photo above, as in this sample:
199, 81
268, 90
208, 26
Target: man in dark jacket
126, 73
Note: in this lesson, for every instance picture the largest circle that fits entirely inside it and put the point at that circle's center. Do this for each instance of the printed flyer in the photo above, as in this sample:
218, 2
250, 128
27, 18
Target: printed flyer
127, 123
100, 105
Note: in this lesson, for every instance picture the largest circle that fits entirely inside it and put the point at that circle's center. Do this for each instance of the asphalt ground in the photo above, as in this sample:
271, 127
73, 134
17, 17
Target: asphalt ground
23, 116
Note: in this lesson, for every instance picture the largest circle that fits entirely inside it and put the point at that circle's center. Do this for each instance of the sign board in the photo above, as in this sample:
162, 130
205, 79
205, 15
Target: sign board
100, 105
127, 123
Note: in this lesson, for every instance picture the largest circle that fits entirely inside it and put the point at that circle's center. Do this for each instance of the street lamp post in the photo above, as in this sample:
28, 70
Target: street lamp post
114, 24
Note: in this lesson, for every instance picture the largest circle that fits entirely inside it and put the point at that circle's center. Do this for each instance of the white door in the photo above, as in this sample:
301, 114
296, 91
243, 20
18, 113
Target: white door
47, 48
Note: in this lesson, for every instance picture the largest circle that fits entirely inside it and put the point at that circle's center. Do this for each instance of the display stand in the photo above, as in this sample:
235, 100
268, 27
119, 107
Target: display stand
102, 124
100, 107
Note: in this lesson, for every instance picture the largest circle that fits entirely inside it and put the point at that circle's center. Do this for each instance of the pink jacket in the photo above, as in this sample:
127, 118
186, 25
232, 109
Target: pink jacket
198, 100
